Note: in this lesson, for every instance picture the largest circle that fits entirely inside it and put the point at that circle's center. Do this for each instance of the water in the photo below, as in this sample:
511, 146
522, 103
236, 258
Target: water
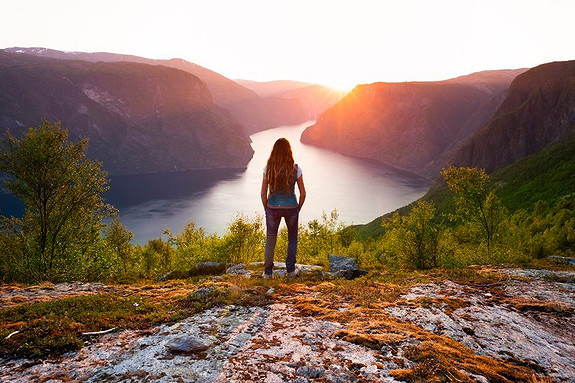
360, 190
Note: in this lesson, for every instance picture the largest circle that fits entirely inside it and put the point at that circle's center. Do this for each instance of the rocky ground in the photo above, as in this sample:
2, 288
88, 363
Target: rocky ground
519, 328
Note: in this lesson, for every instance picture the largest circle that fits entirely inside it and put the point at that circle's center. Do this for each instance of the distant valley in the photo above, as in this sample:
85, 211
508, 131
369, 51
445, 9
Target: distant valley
146, 116
487, 119
143, 115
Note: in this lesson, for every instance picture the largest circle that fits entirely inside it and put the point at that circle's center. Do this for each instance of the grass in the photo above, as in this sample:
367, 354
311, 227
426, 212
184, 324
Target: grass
464, 276
55, 327
548, 176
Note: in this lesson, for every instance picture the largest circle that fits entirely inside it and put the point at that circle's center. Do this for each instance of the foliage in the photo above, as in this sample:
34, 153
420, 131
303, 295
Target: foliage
244, 240
193, 245
546, 231
117, 238
319, 238
62, 192
62, 235
156, 258
414, 238
475, 202
546, 176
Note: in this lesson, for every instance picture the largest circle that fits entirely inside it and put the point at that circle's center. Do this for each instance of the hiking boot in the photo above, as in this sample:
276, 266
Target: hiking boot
267, 276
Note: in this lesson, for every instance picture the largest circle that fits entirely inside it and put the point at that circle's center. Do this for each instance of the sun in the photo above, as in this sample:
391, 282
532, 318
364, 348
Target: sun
339, 85
341, 88
339, 81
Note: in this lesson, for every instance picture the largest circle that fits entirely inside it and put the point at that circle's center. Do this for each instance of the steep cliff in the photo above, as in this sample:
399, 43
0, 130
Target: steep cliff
414, 126
539, 111
253, 111
139, 118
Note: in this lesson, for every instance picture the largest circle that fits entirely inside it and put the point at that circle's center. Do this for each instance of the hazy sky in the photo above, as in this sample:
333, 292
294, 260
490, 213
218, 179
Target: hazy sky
333, 42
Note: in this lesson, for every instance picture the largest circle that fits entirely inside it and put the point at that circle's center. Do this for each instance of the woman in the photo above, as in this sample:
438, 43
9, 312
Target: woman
278, 197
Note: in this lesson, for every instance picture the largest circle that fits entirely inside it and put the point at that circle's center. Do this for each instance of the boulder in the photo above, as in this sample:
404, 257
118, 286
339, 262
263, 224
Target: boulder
186, 345
239, 269
562, 260
208, 268
344, 267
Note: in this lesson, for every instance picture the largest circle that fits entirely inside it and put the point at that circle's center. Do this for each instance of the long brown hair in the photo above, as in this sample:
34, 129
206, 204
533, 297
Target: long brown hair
280, 167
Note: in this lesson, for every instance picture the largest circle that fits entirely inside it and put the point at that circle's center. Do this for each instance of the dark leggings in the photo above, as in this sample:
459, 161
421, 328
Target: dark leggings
273, 219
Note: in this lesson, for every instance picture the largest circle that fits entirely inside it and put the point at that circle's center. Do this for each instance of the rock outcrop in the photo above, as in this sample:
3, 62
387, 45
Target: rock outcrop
344, 267
524, 320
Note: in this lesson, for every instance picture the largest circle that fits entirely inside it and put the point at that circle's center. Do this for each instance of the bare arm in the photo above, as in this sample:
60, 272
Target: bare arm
302, 192
264, 191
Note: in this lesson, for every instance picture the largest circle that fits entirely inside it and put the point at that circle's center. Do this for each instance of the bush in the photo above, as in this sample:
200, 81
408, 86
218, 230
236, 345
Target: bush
193, 245
412, 241
319, 238
244, 240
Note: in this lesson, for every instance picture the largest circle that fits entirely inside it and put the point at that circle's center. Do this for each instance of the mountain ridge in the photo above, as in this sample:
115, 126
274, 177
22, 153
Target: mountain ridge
254, 112
140, 118
537, 112
413, 126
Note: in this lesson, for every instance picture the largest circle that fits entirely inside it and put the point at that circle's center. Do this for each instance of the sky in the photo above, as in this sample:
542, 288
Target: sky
332, 42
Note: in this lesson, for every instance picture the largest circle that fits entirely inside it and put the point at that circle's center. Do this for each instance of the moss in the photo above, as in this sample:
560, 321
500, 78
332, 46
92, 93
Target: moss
373, 341
55, 327
529, 305
435, 358
39, 337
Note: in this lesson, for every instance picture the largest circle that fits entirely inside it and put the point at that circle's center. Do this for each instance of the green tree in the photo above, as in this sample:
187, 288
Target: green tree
156, 257
319, 238
117, 237
475, 201
414, 237
62, 192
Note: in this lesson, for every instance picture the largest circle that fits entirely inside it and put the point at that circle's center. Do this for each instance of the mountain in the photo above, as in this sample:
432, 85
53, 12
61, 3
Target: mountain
538, 113
272, 88
139, 118
253, 111
313, 98
414, 126
528, 146
222, 89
